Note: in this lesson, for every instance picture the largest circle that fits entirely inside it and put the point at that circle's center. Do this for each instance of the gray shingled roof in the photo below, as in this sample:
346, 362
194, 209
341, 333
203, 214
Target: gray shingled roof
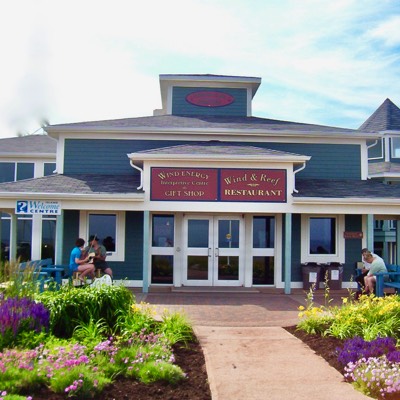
75, 184
385, 118
218, 149
30, 144
179, 123
336, 188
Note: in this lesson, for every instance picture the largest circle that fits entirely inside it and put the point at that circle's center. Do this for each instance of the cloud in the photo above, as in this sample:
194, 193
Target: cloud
74, 61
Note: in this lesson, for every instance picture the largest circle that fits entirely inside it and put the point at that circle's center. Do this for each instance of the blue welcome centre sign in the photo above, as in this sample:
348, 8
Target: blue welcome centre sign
38, 207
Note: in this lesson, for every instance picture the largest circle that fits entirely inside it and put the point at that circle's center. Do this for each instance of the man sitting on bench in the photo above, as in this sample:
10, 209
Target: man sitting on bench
377, 265
100, 254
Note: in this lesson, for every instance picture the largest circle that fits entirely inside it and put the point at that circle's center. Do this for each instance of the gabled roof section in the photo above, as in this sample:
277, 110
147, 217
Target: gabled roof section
31, 145
218, 152
385, 118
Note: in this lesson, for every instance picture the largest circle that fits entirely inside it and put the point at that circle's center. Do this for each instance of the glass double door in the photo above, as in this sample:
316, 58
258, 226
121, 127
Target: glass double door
213, 251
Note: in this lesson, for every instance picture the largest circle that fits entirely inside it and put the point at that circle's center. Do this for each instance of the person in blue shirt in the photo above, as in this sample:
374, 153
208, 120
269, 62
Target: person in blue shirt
78, 264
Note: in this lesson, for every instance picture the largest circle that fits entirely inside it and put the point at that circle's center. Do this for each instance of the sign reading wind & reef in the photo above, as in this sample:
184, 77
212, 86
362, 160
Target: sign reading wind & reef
218, 184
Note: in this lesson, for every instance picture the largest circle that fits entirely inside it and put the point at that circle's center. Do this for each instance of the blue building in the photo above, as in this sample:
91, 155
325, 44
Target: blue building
202, 193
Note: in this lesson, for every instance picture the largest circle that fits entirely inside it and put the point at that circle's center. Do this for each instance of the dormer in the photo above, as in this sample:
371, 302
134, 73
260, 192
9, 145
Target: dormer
384, 155
211, 95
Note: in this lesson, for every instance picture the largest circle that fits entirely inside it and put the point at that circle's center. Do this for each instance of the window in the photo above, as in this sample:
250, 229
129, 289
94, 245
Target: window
25, 171
7, 172
395, 147
263, 250
163, 231
24, 237
49, 169
10, 171
321, 241
263, 232
5, 236
109, 228
322, 236
48, 237
162, 241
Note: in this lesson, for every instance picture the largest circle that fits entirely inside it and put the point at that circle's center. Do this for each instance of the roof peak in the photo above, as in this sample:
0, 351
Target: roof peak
385, 118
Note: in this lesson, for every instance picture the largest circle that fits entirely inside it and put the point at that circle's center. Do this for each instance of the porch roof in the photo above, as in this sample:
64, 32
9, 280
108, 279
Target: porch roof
342, 188
75, 184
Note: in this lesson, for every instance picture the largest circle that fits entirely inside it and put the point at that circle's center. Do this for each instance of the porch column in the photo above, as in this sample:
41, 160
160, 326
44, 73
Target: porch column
288, 252
146, 241
370, 232
59, 239
13, 237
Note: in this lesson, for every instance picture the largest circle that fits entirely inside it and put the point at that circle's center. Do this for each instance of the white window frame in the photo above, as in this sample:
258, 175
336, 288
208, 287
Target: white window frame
305, 240
119, 253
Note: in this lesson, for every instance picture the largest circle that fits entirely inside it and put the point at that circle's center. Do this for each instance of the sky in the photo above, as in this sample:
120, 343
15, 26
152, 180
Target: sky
320, 61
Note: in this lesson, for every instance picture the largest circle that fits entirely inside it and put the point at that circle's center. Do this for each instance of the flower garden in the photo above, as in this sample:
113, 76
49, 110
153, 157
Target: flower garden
369, 330
76, 341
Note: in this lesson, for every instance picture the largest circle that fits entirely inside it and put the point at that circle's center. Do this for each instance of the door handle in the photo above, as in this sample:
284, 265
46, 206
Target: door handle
217, 252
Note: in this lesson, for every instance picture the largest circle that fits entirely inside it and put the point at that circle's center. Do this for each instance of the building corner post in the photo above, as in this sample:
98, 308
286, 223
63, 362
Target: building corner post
288, 252
146, 241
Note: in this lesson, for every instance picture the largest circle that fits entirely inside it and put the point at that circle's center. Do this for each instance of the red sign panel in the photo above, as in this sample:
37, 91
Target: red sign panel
353, 235
212, 184
185, 184
267, 185
209, 99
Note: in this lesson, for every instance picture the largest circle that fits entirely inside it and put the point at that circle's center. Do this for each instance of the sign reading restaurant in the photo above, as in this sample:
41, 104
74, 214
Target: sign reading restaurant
218, 184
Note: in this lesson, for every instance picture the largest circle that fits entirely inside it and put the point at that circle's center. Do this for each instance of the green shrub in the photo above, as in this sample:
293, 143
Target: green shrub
176, 328
72, 306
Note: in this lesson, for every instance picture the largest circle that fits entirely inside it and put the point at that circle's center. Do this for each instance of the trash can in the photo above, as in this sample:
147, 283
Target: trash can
311, 275
334, 276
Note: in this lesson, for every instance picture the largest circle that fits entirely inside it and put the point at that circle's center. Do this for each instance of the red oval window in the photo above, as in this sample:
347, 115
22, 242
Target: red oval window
209, 99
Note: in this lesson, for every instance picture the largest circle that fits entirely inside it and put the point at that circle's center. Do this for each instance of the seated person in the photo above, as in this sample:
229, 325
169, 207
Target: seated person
77, 263
100, 254
377, 265
366, 267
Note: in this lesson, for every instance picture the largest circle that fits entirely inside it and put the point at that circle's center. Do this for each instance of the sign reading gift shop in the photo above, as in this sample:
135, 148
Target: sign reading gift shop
38, 207
218, 184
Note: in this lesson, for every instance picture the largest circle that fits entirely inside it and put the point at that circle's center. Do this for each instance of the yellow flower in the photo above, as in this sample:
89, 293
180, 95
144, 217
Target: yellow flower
344, 299
301, 308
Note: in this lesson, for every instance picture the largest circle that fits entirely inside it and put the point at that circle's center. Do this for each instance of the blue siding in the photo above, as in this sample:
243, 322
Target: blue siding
329, 161
353, 223
181, 107
132, 268
109, 157
105, 156
296, 241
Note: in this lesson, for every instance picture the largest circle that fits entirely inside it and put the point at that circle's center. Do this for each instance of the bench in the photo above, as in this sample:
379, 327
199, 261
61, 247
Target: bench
390, 279
45, 271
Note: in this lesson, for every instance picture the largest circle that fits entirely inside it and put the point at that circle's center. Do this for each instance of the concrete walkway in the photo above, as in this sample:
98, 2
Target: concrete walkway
249, 356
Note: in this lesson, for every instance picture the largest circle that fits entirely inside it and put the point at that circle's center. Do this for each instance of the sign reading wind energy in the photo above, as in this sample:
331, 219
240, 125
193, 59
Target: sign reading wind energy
38, 207
218, 184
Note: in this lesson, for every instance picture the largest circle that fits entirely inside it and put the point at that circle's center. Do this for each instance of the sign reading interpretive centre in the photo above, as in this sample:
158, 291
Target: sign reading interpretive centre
38, 207
218, 184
